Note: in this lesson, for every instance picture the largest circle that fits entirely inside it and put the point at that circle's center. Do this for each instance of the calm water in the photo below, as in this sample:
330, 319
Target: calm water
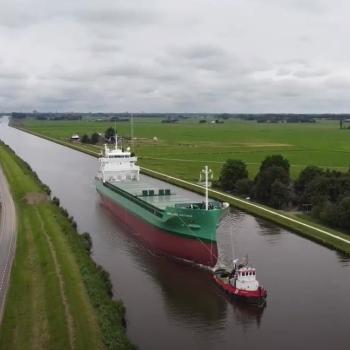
172, 305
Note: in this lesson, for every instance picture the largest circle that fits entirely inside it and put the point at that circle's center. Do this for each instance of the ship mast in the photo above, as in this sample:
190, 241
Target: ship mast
132, 131
206, 171
116, 136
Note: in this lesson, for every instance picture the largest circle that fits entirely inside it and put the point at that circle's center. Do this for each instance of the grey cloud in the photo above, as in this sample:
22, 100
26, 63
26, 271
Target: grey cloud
104, 47
67, 75
302, 62
22, 13
16, 14
18, 20
202, 51
118, 17
313, 7
302, 72
310, 6
164, 55
124, 73
338, 83
126, 70
152, 71
12, 75
206, 57
283, 72
311, 73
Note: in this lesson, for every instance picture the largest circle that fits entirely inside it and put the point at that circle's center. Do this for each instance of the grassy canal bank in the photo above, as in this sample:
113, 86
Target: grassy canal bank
58, 297
301, 225
294, 222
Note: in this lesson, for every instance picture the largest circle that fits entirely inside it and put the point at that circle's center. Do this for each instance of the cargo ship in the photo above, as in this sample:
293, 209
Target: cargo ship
167, 222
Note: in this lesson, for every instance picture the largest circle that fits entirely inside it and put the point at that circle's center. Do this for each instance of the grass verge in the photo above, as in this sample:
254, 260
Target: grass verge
58, 297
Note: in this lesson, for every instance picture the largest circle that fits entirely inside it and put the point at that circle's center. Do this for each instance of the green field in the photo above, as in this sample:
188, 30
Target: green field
55, 292
183, 148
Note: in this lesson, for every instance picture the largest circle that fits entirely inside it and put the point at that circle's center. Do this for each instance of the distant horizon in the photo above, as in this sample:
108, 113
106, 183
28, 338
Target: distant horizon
175, 113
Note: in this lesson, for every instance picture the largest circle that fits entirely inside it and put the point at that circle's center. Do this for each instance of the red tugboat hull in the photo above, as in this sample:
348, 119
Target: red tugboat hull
255, 297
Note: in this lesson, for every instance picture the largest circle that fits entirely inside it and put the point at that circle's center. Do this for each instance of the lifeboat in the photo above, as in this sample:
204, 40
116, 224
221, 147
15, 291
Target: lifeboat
241, 283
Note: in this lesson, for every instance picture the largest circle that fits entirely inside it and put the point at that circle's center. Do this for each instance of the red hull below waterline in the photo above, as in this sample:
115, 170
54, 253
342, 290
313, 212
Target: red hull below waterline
256, 297
165, 242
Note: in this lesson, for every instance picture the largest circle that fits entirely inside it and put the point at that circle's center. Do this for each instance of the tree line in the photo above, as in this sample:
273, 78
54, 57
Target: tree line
95, 137
325, 194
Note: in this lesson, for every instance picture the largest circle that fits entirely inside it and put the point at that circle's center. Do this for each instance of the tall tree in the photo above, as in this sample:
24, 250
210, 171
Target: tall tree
110, 132
280, 195
306, 176
243, 187
95, 138
275, 160
85, 139
343, 213
232, 171
266, 178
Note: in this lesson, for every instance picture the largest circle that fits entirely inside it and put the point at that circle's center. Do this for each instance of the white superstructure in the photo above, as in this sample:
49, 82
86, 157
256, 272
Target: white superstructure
118, 165
244, 277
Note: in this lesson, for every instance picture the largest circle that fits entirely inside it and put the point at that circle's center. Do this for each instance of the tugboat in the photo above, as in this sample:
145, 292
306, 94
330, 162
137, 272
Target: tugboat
241, 282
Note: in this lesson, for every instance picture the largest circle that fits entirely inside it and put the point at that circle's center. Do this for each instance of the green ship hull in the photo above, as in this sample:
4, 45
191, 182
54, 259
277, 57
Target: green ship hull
175, 226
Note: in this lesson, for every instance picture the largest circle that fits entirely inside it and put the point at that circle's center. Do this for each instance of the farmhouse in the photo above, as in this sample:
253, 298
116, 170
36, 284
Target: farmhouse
75, 138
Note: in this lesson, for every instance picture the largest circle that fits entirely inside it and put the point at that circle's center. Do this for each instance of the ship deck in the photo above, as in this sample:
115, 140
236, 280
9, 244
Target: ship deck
157, 200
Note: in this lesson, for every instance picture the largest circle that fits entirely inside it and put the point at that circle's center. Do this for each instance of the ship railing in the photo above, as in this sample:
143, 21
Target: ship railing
149, 207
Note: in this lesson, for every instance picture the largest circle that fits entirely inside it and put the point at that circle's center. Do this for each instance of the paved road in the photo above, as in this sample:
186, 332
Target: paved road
8, 233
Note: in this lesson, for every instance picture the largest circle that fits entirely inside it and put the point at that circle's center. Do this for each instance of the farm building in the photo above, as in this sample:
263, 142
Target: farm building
75, 138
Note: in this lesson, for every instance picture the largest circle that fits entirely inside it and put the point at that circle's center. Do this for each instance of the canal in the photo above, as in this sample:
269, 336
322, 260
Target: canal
173, 305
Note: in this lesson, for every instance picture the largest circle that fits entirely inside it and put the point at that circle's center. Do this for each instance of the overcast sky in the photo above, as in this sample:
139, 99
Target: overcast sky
175, 55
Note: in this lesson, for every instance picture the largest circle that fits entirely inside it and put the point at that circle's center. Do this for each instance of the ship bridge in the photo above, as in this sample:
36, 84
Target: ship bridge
118, 165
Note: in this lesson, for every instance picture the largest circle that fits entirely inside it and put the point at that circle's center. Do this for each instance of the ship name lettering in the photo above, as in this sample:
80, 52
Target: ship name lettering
177, 214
